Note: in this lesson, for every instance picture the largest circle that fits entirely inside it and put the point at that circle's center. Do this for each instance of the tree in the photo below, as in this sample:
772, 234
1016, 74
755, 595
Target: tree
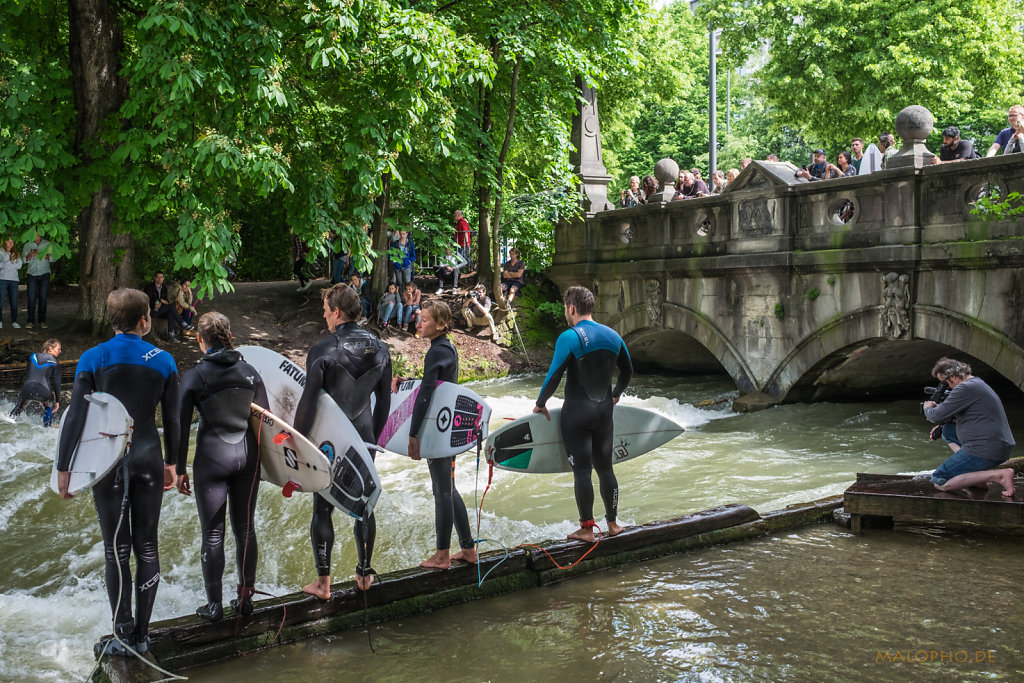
837, 69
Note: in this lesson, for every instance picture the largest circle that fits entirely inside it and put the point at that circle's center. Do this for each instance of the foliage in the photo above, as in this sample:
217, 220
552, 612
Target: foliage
994, 207
836, 69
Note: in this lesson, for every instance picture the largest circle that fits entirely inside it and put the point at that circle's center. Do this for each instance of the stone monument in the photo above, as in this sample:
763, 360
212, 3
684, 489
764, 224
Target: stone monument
913, 125
586, 157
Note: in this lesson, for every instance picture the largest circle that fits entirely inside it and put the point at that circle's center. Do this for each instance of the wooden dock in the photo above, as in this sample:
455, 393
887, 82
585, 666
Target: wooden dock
188, 642
878, 500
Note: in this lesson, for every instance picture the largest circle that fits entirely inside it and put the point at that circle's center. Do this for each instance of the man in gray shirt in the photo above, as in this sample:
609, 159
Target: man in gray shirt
981, 427
38, 256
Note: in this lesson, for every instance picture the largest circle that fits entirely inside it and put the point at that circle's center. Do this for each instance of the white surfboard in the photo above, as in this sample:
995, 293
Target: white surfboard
872, 160
104, 441
449, 427
288, 459
355, 485
534, 443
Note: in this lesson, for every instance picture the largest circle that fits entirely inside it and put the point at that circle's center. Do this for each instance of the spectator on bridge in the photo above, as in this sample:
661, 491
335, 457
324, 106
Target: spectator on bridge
857, 147
1011, 139
744, 162
650, 188
772, 157
981, 428
846, 166
463, 238
691, 187
697, 174
730, 175
887, 146
717, 182
953, 148
632, 195
819, 169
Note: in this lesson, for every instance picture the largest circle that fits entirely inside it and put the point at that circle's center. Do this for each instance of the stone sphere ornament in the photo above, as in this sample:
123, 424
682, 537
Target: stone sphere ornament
914, 123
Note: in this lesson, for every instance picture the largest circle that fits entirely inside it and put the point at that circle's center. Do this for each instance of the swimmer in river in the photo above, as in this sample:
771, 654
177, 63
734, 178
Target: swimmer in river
440, 364
42, 382
351, 365
590, 352
141, 376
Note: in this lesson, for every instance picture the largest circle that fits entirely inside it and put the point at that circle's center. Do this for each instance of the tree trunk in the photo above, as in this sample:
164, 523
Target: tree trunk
484, 271
106, 260
379, 241
499, 175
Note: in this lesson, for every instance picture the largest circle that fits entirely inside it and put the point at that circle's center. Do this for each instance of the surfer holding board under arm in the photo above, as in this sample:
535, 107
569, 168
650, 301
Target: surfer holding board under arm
128, 497
440, 364
350, 365
589, 352
226, 467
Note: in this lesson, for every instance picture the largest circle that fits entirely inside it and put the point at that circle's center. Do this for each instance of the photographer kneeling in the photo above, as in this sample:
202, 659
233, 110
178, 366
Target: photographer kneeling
477, 310
981, 427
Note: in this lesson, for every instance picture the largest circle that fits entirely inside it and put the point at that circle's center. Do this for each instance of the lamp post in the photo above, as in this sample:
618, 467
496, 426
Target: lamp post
712, 97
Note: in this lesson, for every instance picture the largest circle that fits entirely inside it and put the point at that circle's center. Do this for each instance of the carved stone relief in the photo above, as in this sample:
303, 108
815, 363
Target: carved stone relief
894, 320
756, 217
653, 299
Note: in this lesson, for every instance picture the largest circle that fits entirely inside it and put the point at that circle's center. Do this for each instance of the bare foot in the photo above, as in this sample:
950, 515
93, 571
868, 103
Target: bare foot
363, 583
466, 555
439, 560
321, 588
614, 529
1006, 481
585, 534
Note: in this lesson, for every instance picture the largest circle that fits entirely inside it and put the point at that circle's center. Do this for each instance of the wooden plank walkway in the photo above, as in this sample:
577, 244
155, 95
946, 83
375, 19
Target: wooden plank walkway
880, 499
187, 642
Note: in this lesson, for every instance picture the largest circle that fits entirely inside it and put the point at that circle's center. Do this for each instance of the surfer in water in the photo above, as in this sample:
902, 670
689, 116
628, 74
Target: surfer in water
350, 365
42, 382
590, 352
128, 498
226, 466
441, 364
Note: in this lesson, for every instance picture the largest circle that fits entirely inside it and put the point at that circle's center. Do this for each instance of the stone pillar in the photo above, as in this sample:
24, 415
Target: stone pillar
586, 158
913, 125
667, 172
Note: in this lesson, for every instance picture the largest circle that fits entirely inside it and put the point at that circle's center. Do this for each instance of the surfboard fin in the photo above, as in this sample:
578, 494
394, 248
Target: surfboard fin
281, 437
288, 489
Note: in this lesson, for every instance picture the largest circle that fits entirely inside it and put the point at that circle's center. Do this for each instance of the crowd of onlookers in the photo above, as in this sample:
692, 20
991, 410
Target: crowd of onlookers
857, 160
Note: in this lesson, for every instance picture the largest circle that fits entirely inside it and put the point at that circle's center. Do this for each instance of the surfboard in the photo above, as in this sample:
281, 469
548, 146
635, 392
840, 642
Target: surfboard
450, 425
288, 459
354, 483
534, 443
872, 160
105, 438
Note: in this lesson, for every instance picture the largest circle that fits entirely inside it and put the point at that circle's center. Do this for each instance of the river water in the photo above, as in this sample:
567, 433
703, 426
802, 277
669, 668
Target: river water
817, 604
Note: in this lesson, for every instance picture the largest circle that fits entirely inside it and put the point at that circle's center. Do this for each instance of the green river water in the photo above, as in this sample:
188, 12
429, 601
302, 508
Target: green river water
818, 604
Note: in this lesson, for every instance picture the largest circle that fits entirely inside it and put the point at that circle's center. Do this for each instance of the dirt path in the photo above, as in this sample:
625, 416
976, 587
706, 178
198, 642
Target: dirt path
269, 314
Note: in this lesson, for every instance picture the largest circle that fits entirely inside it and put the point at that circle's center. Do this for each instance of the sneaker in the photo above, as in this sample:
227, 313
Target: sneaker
16, 326
43, 325
439, 291
28, 326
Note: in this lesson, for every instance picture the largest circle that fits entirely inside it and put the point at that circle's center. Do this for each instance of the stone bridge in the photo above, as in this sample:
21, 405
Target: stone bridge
802, 290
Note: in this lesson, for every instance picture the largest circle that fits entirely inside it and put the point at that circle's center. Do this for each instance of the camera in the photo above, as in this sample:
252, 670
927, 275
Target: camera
937, 393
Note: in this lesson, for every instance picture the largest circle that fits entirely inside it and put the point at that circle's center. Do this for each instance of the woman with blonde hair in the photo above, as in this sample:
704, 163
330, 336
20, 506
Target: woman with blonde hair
10, 264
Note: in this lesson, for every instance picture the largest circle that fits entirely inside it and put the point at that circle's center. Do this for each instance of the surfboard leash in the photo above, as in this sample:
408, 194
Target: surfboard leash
582, 557
479, 512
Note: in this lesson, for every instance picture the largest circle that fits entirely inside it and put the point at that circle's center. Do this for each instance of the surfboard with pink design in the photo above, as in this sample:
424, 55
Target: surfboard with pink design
450, 427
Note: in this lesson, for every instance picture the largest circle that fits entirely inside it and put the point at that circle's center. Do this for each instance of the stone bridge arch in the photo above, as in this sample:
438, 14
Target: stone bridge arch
675, 337
847, 357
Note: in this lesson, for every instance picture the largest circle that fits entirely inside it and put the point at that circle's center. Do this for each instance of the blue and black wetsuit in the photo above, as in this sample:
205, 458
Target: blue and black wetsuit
226, 465
350, 365
590, 352
442, 364
42, 383
140, 376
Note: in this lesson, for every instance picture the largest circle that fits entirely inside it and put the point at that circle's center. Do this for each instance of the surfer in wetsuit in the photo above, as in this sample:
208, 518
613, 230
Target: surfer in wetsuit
350, 365
42, 382
128, 498
226, 467
590, 352
441, 364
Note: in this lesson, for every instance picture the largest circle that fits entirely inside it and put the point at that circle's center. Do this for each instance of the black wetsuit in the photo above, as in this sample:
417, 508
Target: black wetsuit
140, 376
442, 364
226, 465
42, 383
590, 352
350, 364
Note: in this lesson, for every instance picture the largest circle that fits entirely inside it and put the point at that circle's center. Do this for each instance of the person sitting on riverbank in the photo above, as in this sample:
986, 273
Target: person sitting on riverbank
390, 306
589, 352
42, 382
160, 306
128, 498
361, 288
513, 274
441, 364
477, 310
226, 466
448, 270
351, 365
185, 302
411, 298
981, 427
